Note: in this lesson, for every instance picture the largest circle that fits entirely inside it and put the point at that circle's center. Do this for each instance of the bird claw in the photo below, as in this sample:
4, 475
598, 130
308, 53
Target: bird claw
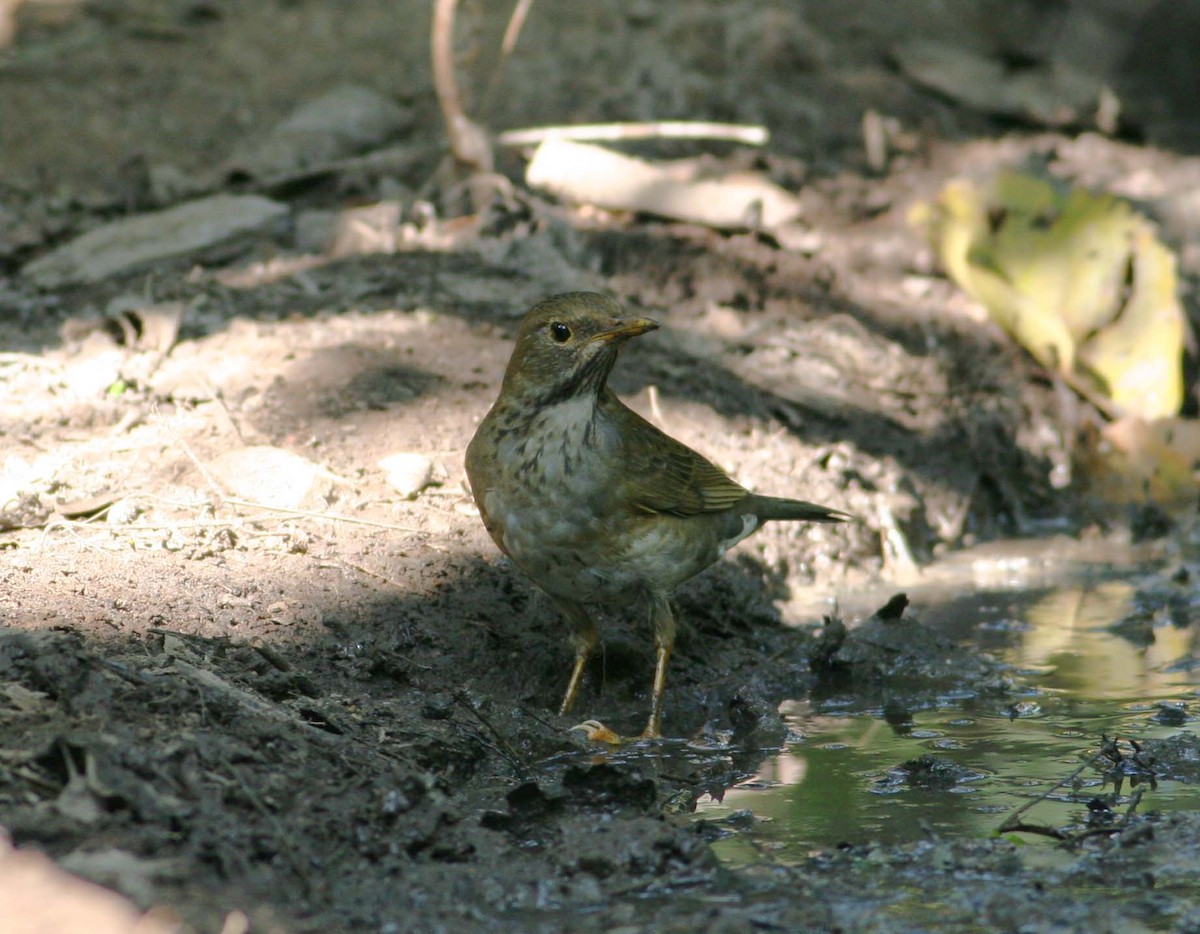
597, 732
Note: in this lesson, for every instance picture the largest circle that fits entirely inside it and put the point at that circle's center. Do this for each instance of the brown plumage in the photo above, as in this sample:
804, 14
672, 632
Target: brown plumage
589, 499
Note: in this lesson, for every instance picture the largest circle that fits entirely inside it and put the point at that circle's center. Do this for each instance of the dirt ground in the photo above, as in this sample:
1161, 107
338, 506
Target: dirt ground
249, 681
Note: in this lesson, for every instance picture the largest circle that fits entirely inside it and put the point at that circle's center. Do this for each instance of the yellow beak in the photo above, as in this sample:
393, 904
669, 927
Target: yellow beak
625, 328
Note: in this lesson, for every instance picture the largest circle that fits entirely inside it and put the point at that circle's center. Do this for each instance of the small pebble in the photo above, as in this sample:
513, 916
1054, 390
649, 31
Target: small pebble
122, 512
408, 473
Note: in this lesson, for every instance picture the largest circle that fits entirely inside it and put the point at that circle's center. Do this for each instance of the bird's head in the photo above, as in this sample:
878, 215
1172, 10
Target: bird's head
567, 345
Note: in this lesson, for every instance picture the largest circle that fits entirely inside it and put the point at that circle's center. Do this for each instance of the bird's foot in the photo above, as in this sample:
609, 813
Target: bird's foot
597, 732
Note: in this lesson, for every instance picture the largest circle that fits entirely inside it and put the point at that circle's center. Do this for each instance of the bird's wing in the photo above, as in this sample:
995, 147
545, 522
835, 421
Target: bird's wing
663, 475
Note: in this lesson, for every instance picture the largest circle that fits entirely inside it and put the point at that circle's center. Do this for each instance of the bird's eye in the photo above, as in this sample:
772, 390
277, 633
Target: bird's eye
560, 332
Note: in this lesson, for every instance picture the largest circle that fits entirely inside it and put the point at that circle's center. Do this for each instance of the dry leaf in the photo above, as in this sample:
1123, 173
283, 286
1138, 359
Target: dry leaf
1132, 460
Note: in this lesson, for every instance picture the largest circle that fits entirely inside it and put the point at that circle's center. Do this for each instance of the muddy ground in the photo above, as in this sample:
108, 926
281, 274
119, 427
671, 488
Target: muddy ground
285, 695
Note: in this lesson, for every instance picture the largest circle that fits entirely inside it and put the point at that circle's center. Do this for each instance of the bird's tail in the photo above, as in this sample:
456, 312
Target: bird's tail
776, 507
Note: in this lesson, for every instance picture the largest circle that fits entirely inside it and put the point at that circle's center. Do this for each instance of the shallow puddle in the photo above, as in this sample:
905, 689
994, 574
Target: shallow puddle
856, 774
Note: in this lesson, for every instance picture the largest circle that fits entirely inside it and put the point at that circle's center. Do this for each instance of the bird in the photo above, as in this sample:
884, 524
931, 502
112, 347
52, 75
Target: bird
597, 506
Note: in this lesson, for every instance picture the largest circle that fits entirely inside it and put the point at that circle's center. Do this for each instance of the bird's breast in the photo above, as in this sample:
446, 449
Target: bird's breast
549, 498
554, 493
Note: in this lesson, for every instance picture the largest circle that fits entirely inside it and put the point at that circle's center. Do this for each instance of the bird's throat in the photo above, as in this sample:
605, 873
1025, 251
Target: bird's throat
585, 380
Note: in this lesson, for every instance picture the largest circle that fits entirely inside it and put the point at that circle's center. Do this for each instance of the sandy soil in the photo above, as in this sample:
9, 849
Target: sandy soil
277, 691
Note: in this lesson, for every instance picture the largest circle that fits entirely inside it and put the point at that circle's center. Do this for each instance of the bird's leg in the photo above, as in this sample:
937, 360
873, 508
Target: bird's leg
664, 641
583, 634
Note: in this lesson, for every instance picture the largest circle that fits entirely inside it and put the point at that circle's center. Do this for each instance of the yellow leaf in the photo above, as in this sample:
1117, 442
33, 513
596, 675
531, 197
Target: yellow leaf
1076, 278
1137, 357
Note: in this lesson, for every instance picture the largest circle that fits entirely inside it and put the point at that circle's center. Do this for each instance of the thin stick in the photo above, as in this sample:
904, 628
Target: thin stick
285, 843
278, 662
252, 703
367, 571
504, 747
208, 478
515, 23
663, 129
306, 514
1013, 822
93, 522
445, 82
468, 142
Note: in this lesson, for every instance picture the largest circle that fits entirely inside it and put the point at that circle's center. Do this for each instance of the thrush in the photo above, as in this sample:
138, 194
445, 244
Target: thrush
595, 504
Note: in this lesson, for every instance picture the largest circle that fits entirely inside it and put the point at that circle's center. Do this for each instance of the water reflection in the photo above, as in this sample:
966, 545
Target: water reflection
1101, 657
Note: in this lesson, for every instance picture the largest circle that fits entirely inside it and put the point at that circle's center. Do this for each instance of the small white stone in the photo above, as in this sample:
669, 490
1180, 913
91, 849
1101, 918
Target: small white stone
265, 475
408, 473
122, 512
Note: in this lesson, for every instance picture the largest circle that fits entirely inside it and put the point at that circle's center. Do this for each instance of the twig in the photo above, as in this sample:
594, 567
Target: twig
218, 397
68, 525
252, 703
505, 747
468, 142
441, 49
515, 24
1038, 829
1013, 823
308, 514
1106, 407
208, 478
1135, 800
367, 571
247, 504
277, 661
286, 845
662, 129
133, 528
